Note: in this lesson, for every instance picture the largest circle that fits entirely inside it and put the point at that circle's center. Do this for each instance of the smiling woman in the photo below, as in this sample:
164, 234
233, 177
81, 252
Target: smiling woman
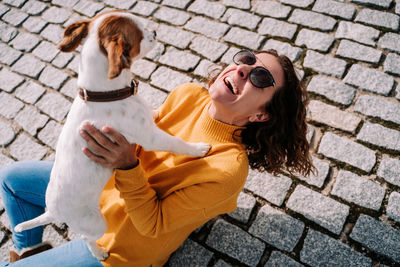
271, 103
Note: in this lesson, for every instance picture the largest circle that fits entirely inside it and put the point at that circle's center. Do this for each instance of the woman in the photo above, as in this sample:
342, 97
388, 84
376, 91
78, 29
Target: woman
253, 114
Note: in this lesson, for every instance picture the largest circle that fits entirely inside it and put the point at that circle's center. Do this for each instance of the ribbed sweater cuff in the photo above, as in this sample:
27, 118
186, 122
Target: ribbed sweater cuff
127, 180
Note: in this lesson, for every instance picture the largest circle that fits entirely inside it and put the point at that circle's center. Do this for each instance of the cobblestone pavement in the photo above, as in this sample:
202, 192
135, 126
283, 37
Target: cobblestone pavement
348, 53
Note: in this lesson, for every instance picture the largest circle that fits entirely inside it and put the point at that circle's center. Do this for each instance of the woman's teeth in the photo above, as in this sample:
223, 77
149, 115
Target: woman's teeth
231, 85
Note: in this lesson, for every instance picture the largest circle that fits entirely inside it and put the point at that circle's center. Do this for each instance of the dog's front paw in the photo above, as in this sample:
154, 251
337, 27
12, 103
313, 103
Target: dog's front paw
101, 254
200, 149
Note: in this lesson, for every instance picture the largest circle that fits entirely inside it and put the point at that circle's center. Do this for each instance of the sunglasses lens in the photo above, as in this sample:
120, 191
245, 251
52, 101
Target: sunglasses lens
244, 57
261, 77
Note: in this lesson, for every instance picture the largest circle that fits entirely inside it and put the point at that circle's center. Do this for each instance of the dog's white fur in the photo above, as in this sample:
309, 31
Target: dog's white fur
76, 182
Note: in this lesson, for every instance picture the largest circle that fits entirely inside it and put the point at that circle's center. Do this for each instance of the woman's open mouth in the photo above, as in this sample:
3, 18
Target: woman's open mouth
231, 85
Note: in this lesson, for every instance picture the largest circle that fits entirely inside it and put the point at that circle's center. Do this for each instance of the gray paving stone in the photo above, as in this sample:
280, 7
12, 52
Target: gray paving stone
378, 107
172, 15
9, 80
398, 92
88, 8
389, 169
378, 3
333, 90
190, 254
4, 161
277, 28
358, 190
357, 32
369, 79
317, 179
9, 105
298, 3
46, 51
321, 209
7, 33
65, 3
221, 263
174, 36
279, 259
181, 4
168, 79
378, 18
272, 188
244, 38
49, 134
314, 40
143, 68
277, 228
31, 120
15, 17
7, 134
293, 53
208, 48
151, 95
25, 42
28, 65
235, 242
242, 4
345, 150
15, 3
390, 41
333, 116
207, 68
393, 207
313, 20
207, 27
74, 18
62, 59
24, 148
397, 10
324, 64
54, 105
245, 205
8, 55
50, 234
334, 8
157, 51
210, 9
34, 7
322, 250
70, 88
392, 64
29, 92
179, 59
74, 64
379, 135
53, 77
53, 33
34, 24
357, 51
271, 9
3, 9
377, 236
144, 8
121, 4
56, 15
5, 249
241, 18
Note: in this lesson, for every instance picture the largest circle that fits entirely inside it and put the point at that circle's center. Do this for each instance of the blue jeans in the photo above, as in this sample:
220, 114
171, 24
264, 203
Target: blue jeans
23, 190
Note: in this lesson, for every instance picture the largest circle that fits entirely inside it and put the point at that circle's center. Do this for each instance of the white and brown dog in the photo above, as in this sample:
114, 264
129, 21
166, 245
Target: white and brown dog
111, 41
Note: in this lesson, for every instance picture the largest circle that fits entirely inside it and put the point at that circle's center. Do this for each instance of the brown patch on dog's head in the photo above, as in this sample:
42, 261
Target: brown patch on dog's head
119, 39
73, 35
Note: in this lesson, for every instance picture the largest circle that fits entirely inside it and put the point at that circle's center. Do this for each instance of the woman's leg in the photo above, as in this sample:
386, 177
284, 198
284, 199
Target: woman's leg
74, 253
23, 189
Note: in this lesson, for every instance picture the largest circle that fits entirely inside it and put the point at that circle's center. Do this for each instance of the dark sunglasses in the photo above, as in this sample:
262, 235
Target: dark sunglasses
259, 76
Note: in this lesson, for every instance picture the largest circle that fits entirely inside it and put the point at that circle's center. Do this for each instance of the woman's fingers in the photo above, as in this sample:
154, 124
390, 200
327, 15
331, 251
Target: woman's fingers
94, 158
94, 145
98, 136
118, 138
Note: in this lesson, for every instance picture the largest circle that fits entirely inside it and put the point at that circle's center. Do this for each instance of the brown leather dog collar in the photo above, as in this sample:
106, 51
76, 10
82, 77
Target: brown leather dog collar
110, 95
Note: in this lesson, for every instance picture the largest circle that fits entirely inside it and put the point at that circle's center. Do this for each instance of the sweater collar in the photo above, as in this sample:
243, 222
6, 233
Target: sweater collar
220, 131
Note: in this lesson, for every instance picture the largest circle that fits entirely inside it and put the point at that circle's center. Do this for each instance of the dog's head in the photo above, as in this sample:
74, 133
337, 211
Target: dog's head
116, 33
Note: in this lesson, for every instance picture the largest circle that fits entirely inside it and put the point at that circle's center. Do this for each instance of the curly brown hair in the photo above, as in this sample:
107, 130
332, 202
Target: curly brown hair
280, 143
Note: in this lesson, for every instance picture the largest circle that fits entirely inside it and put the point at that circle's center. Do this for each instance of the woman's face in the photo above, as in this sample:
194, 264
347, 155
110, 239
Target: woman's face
248, 102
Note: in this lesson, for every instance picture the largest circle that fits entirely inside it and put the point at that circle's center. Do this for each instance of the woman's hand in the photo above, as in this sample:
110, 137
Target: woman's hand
117, 153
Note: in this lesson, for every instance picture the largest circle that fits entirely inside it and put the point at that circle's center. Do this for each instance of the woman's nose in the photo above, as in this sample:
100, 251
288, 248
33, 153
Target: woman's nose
243, 70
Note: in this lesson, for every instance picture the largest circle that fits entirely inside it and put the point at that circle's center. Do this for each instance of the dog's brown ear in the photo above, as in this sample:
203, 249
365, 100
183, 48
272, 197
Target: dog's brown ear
73, 35
118, 56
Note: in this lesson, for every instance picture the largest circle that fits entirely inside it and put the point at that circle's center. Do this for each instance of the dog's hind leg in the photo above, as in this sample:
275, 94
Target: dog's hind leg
160, 140
45, 218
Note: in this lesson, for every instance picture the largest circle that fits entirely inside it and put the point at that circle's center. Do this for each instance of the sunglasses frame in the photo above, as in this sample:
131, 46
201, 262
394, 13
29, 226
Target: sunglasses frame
252, 72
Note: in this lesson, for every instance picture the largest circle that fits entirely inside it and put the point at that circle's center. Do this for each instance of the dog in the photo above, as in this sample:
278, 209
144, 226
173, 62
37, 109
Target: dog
111, 41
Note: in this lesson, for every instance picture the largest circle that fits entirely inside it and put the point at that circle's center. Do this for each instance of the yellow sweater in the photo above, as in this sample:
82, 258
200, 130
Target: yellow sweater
151, 209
